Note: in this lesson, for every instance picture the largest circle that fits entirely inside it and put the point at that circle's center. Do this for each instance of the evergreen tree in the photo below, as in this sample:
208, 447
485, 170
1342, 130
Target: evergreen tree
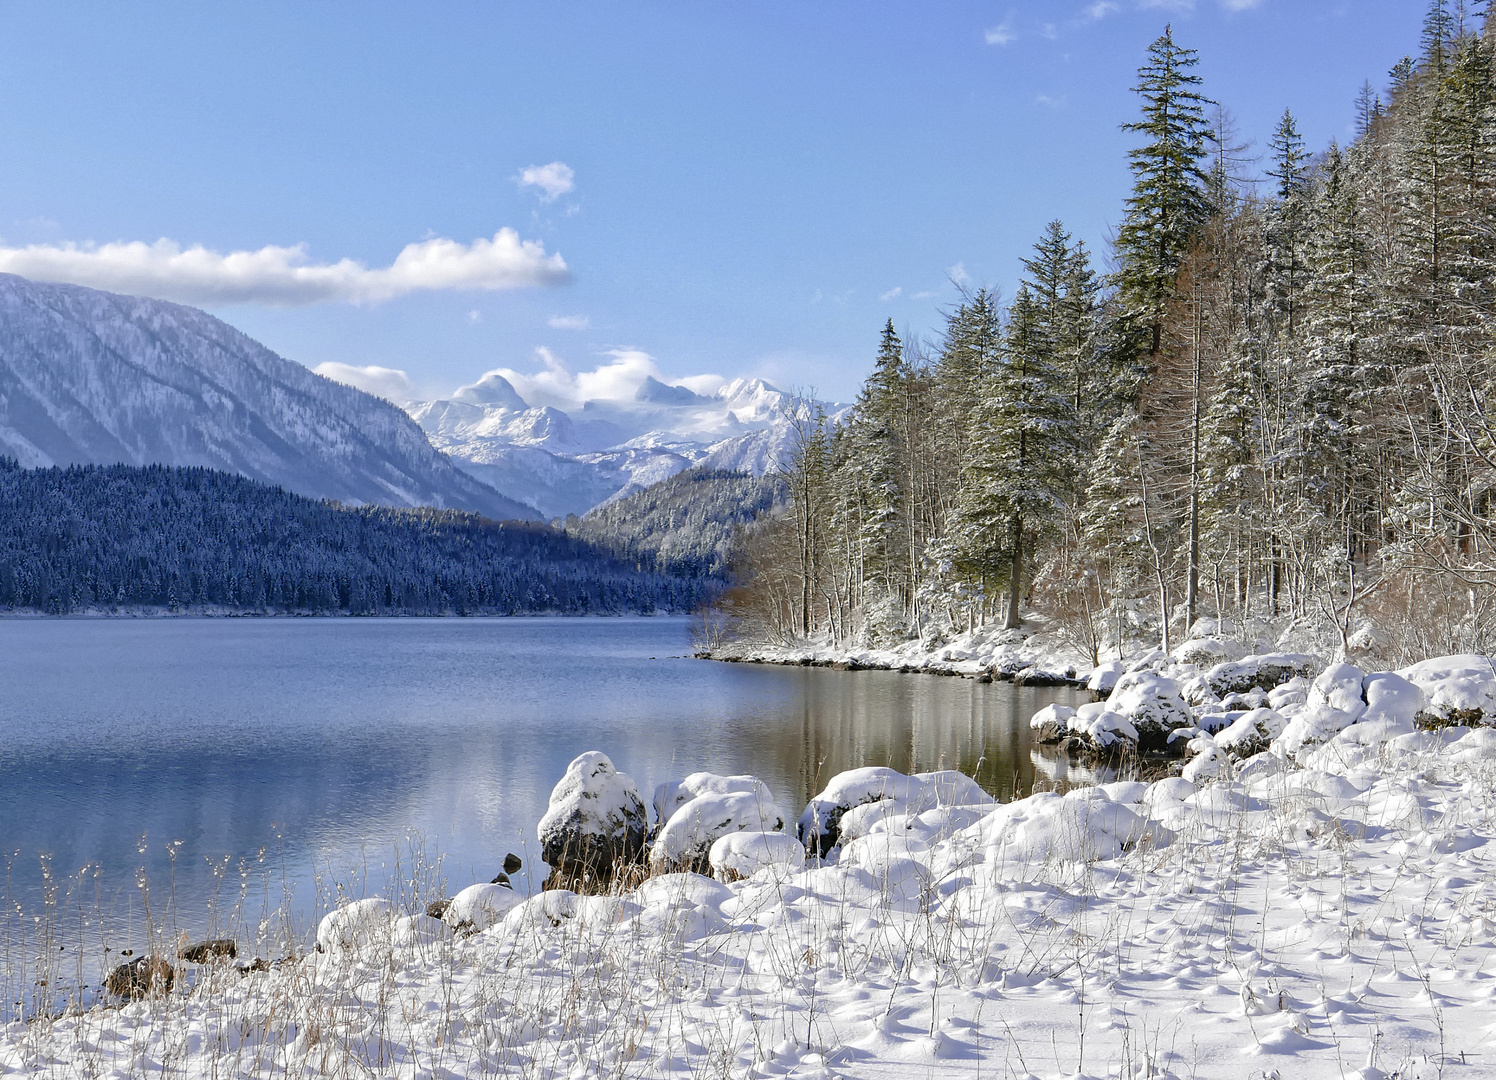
1168, 204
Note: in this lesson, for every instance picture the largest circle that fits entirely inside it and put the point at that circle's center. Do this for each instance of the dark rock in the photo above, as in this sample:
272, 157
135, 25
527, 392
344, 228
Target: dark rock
142, 976
206, 952
595, 826
512, 863
501, 878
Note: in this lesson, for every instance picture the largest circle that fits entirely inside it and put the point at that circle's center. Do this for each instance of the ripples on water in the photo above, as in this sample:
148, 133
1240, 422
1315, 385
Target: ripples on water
290, 756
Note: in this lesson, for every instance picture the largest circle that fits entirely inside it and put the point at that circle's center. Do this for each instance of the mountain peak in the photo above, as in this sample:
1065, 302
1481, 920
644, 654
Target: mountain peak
493, 389
654, 391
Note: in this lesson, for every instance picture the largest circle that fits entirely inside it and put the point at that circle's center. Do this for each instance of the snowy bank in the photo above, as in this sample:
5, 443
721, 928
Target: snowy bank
1319, 908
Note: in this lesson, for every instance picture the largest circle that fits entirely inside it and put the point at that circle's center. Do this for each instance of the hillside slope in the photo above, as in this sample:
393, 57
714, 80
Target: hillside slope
112, 538
94, 377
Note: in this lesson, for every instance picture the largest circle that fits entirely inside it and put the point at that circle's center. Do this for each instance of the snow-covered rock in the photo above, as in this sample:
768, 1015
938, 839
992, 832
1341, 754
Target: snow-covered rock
743, 854
480, 906
687, 837
1153, 705
595, 822
1104, 678
819, 827
1251, 733
673, 794
1333, 704
1264, 671
362, 924
1456, 690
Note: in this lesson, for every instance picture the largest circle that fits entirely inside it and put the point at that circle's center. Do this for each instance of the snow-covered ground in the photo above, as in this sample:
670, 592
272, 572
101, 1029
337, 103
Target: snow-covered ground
1321, 908
987, 652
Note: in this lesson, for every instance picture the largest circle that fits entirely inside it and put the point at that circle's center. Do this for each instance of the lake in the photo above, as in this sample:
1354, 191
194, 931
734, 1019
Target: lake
293, 758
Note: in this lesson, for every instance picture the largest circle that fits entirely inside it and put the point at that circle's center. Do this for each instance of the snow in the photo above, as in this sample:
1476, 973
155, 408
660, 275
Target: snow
1319, 914
687, 837
480, 906
594, 816
93, 377
569, 463
1456, 688
744, 854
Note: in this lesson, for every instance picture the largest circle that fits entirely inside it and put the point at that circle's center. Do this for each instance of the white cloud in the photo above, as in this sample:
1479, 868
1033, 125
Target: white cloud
1240, 5
389, 383
1052, 102
616, 380
553, 180
1002, 34
892, 294
286, 276
475, 316
705, 385
1181, 6
1101, 9
924, 295
569, 322
958, 274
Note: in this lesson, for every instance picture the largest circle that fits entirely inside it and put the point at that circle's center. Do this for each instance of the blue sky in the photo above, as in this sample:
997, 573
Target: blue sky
740, 189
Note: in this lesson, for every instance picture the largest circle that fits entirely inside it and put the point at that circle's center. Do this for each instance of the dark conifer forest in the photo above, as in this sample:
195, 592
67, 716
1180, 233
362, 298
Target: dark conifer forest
121, 538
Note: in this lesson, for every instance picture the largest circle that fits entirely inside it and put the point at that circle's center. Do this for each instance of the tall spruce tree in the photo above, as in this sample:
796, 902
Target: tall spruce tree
1169, 201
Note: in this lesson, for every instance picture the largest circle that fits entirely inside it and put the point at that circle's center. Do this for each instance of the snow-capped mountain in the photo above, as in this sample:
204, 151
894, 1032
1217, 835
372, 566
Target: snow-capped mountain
568, 463
94, 377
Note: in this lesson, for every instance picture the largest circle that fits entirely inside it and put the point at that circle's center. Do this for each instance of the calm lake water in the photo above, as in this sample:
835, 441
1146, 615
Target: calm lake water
211, 754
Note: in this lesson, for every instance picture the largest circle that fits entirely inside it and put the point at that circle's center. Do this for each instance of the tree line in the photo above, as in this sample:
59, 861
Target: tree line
109, 538
1271, 413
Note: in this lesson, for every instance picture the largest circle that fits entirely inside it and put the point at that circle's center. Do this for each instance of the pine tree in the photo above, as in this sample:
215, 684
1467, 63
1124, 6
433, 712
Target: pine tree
1169, 202
1287, 219
1024, 436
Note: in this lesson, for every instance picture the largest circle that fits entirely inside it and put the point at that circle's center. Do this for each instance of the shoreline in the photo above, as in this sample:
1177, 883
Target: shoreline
985, 655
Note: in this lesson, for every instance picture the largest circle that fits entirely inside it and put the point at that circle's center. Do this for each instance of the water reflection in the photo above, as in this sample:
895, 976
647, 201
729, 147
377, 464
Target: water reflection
316, 747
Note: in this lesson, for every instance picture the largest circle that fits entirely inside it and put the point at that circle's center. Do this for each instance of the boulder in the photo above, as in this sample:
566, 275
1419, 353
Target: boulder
210, 951
478, 907
673, 794
1264, 672
1457, 690
141, 977
1051, 724
743, 854
819, 827
357, 925
1155, 708
686, 839
1251, 733
1334, 703
1104, 678
595, 826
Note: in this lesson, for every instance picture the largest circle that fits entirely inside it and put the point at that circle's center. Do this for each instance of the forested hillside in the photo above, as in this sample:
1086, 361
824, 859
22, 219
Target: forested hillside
1272, 413
105, 538
687, 525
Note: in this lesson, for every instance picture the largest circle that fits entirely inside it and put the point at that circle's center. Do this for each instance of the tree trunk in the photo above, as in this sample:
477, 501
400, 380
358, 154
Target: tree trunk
1015, 579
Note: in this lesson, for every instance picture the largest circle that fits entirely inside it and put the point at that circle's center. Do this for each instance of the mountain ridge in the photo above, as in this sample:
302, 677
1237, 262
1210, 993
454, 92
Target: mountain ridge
92, 377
